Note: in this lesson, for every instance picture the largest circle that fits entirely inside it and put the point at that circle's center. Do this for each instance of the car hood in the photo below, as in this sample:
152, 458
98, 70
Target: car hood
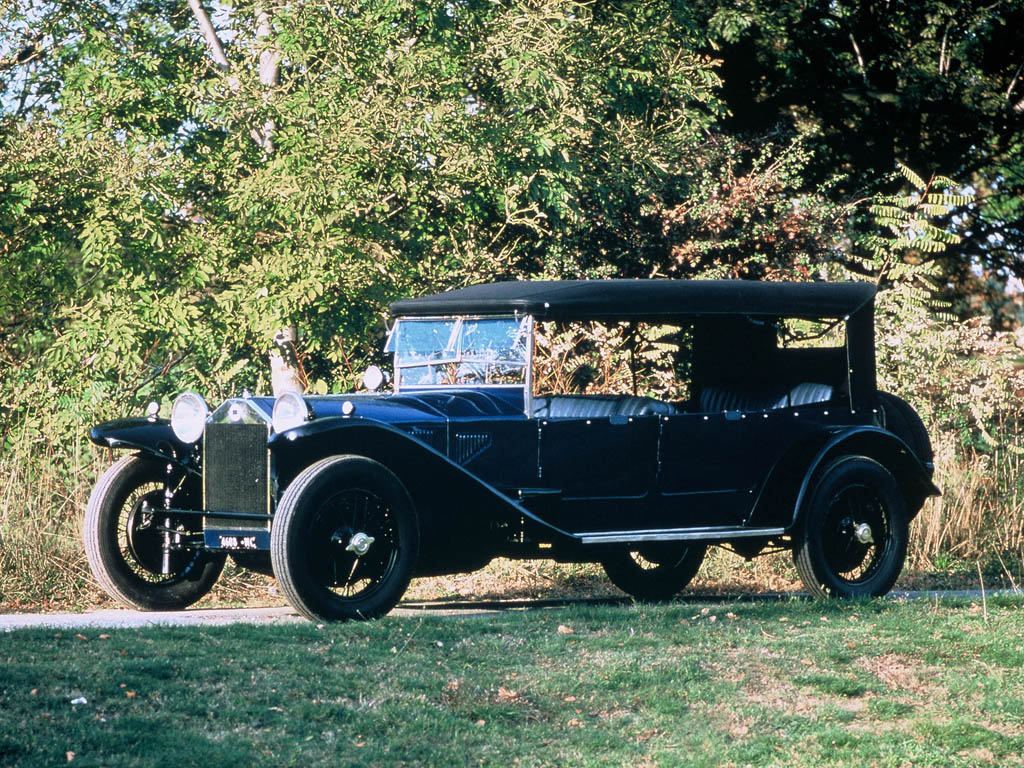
432, 405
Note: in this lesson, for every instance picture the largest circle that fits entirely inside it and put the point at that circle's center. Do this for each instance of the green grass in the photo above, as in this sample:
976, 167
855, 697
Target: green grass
787, 683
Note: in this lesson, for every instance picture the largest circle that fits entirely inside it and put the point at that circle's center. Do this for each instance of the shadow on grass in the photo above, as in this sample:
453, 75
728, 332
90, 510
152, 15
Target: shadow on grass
469, 604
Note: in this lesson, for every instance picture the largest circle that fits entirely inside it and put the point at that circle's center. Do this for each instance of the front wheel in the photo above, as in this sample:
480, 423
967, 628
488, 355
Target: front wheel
345, 540
657, 571
138, 554
855, 530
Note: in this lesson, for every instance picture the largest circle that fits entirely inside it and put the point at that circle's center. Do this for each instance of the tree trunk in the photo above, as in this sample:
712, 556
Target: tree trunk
285, 370
286, 374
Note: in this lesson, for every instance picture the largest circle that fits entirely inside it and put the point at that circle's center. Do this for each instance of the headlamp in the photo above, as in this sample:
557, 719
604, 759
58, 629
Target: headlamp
290, 410
188, 417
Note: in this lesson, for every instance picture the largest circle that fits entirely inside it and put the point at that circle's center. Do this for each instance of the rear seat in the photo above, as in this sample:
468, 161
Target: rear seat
718, 399
597, 406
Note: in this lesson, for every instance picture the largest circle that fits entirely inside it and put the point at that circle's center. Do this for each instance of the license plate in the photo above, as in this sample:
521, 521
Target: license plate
237, 542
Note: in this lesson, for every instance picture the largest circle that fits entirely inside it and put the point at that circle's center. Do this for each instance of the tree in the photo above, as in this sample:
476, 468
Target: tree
415, 147
933, 85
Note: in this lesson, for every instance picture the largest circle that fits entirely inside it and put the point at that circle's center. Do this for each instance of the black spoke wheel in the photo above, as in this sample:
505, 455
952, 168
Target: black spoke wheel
854, 538
345, 540
656, 571
125, 533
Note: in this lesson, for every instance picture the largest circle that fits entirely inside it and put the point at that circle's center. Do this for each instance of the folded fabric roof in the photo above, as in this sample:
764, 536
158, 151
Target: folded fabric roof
629, 299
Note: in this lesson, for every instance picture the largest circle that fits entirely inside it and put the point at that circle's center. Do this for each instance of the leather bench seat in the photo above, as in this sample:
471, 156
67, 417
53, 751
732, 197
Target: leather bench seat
597, 406
718, 399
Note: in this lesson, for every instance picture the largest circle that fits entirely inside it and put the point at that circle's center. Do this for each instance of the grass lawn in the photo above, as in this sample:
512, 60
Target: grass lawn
793, 683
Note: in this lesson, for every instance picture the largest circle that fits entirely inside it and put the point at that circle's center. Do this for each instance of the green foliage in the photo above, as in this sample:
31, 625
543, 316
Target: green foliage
151, 245
610, 358
905, 232
928, 83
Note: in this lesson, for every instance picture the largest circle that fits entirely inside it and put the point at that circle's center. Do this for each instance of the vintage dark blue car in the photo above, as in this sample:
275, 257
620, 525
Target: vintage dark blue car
628, 422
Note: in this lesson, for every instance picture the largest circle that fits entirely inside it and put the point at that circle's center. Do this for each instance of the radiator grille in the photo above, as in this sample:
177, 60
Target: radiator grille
236, 473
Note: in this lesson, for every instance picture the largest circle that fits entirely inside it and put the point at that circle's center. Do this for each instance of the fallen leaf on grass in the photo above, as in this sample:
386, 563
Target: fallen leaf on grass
504, 694
69, 755
129, 694
81, 637
564, 630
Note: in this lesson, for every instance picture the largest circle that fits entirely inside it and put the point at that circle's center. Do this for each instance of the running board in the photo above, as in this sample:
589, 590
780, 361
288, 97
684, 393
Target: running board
677, 534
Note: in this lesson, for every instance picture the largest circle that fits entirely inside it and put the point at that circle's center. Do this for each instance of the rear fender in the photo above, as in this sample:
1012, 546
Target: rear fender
456, 508
791, 479
153, 437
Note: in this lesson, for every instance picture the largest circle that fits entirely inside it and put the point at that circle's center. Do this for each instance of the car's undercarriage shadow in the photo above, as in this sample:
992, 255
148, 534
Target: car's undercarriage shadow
523, 604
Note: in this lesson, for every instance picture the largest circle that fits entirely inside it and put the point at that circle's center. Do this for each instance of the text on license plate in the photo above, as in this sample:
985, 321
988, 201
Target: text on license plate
238, 542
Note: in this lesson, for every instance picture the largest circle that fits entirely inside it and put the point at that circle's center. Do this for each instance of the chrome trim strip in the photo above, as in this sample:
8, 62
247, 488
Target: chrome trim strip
676, 534
528, 378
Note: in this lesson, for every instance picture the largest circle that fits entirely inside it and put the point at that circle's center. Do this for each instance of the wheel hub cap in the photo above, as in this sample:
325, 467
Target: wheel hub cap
359, 544
862, 533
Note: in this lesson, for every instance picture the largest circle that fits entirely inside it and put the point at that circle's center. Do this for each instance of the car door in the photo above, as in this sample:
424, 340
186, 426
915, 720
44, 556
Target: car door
602, 470
712, 466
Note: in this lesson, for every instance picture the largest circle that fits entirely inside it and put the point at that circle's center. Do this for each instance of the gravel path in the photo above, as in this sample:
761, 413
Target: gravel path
198, 617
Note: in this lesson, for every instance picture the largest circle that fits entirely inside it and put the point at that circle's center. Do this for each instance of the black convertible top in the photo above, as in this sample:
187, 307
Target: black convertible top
626, 299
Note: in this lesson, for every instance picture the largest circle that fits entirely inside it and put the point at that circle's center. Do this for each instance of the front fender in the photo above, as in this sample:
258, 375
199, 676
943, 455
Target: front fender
791, 479
152, 436
457, 503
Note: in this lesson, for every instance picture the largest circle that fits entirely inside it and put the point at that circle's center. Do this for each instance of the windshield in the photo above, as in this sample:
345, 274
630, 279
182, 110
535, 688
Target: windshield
460, 351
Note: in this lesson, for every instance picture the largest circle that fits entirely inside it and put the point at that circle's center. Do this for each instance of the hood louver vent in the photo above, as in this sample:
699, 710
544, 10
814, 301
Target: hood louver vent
468, 447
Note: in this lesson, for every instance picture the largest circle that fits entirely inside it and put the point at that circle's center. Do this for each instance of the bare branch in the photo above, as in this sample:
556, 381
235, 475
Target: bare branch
943, 61
270, 76
210, 35
860, 59
1013, 82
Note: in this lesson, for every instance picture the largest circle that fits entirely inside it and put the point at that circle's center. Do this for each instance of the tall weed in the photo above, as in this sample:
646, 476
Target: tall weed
967, 382
41, 503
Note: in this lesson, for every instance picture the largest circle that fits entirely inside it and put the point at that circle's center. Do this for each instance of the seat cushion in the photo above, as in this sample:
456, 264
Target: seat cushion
810, 392
718, 399
597, 406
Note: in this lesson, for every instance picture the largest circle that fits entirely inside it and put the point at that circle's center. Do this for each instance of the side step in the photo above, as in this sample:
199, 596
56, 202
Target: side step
721, 533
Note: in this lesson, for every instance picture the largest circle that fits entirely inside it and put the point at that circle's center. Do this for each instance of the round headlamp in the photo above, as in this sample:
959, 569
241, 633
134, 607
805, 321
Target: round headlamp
188, 417
290, 410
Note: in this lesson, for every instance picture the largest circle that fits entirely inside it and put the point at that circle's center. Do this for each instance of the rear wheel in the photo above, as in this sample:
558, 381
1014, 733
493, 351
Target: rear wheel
136, 552
345, 540
655, 571
854, 537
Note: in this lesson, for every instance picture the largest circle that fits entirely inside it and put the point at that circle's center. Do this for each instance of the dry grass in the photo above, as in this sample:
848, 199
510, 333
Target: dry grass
981, 511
